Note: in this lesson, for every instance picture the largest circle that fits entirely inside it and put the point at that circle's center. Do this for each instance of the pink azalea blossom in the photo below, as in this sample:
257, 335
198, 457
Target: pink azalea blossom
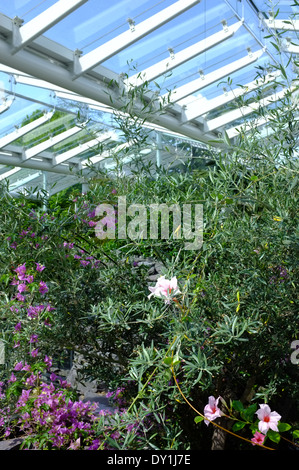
12, 378
20, 297
258, 438
39, 267
21, 271
34, 352
33, 338
92, 223
48, 361
43, 288
165, 288
22, 288
268, 419
211, 410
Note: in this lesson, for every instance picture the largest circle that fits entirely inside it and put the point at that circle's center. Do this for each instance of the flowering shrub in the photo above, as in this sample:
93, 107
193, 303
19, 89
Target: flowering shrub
49, 417
217, 315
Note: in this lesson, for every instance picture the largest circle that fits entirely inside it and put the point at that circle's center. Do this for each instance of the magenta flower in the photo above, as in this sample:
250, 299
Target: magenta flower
43, 288
84, 263
34, 352
14, 282
33, 338
268, 419
33, 312
165, 288
39, 267
19, 366
53, 377
18, 326
211, 410
48, 361
22, 288
12, 378
21, 271
258, 438
29, 278
91, 214
20, 297
75, 445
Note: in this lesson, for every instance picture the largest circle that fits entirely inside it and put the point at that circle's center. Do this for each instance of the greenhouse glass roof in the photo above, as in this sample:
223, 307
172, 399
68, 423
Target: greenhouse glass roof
70, 68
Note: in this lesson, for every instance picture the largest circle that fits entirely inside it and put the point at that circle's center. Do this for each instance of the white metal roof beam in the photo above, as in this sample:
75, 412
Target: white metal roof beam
244, 128
201, 106
181, 57
8, 173
73, 152
106, 154
81, 148
24, 181
4, 141
16, 159
33, 151
288, 25
5, 106
291, 48
28, 62
242, 112
22, 35
136, 32
202, 82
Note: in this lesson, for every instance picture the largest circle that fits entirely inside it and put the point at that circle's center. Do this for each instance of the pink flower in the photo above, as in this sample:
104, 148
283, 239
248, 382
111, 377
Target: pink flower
211, 410
48, 361
14, 282
39, 267
20, 297
75, 445
33, 338
22, 288
92, 223
258, 438
21, 271
43, 288
12, 378
268, 419
165, 288
84, 263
